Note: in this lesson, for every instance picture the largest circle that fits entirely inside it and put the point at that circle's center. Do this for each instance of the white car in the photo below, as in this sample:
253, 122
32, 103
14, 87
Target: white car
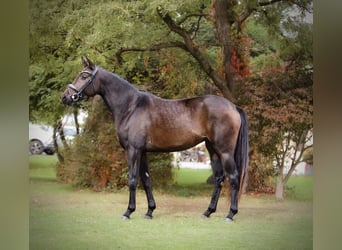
41, 138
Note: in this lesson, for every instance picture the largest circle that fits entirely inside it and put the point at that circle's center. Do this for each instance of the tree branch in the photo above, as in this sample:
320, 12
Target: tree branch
261, 4
155, 47
173, 26
294, 2
197, 28
247, 12
109, 59
191, 15
194, 50
243, 17
296, 158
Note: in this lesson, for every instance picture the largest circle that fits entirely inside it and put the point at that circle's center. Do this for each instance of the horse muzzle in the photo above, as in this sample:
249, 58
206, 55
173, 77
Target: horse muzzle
68, 99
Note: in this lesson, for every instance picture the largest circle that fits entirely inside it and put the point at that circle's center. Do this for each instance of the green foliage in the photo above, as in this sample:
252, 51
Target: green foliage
61, 31
297, 48
172, 75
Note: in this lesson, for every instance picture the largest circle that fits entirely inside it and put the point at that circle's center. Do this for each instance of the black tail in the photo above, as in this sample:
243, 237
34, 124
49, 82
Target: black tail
241, 150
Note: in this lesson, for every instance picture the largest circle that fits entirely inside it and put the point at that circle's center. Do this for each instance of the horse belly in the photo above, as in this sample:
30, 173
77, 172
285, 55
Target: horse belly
175, 127
170, 139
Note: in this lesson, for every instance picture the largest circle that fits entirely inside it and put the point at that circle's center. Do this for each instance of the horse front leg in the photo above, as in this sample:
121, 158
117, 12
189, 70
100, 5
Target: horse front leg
134, 160
146, 182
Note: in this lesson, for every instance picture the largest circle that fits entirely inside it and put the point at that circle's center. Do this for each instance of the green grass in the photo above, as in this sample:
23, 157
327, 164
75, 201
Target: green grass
65, 218
189, 177
191, 182
42, 167
300, 188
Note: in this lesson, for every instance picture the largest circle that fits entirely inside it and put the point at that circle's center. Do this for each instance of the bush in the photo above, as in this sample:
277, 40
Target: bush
260, 173
97, 161
160, 165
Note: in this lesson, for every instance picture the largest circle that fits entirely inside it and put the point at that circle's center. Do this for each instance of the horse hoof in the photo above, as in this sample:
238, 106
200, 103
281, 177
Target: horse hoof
205, 216
124, 217
148, 217
229, 220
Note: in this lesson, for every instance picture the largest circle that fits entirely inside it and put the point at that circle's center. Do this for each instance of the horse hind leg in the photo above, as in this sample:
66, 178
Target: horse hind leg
234, 180
219, 179
146, 182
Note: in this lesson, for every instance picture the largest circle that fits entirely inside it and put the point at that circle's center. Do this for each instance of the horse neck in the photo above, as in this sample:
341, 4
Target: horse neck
118, 95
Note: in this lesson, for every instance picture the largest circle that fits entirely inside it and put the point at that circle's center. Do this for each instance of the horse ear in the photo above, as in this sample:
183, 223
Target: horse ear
84, 61
87, 63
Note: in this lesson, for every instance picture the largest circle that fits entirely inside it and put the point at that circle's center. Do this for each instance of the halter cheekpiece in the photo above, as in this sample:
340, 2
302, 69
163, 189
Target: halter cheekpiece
79, 92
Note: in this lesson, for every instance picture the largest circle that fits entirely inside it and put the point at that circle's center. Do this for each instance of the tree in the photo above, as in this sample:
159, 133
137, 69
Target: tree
281, 110
227, 18
291, 53
49, 70
57, 38
282, 125
171, 48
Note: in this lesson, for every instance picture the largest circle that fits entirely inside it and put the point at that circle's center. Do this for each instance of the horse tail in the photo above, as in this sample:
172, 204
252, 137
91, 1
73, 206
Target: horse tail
242, 150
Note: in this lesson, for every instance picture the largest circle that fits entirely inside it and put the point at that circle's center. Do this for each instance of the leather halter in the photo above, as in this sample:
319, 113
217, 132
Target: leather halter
79, 92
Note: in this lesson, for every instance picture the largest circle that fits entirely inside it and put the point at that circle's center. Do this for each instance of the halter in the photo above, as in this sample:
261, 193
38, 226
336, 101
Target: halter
79, 92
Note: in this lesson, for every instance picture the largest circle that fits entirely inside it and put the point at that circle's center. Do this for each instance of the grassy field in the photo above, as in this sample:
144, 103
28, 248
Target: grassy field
62, 217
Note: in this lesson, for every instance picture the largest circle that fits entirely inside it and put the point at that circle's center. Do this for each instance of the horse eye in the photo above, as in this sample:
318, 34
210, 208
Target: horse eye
84, 76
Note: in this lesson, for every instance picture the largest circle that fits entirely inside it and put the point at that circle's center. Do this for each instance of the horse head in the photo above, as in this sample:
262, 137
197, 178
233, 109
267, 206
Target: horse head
81, 85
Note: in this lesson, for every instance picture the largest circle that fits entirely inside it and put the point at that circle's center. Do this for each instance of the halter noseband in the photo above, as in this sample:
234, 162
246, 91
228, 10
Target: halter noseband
79, 92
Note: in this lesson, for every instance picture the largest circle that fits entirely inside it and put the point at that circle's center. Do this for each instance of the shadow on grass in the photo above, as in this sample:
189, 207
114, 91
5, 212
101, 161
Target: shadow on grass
196, 189
43, 179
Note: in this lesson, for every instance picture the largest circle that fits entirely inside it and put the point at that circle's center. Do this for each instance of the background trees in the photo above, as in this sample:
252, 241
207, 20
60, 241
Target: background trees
256, 53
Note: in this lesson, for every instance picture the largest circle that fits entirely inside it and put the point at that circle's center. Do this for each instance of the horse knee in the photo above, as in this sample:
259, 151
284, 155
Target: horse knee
219, 181
146, 182
132, 183
234, 182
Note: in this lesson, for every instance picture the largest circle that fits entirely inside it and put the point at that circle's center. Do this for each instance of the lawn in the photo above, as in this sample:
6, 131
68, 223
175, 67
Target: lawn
300, 188
62, 217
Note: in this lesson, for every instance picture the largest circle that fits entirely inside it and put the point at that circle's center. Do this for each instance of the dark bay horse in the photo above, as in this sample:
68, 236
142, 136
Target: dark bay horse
147, 123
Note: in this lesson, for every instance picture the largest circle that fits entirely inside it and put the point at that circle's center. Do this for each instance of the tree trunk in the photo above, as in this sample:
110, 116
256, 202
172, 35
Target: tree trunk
279, 193
58, 153
280, 188
77, 125
222, 23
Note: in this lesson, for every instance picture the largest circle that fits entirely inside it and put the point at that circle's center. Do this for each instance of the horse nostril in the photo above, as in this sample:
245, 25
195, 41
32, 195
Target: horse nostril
64, 99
